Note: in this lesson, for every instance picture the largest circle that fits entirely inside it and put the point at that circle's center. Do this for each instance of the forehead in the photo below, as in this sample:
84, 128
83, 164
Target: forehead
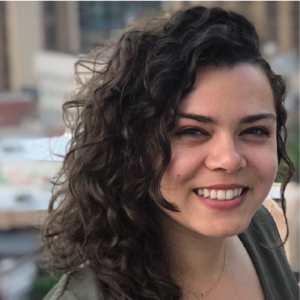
240, 89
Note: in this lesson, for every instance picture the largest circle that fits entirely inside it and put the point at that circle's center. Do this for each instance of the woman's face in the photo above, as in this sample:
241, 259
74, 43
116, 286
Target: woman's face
223, 146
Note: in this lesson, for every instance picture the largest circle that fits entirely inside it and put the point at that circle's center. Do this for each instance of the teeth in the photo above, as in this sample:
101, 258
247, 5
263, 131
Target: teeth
235, 192
213, 194
206, 193
200, 192
229, 194
220, 194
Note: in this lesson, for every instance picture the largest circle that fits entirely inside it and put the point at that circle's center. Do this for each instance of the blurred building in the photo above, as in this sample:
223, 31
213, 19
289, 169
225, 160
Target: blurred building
73, 27
28, 29
69, 27
22, 37
76, 27
4, 82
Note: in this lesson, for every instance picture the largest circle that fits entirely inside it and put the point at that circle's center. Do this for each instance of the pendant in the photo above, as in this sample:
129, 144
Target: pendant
200, 296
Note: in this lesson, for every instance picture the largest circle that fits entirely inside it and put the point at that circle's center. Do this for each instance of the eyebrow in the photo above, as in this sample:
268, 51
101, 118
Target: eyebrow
244, 120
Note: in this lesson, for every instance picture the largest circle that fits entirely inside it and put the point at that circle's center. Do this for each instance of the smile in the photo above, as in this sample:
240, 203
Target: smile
220, 194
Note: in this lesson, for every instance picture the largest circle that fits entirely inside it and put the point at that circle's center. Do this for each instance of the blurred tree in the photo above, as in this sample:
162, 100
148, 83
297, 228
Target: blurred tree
293, 146
42, 285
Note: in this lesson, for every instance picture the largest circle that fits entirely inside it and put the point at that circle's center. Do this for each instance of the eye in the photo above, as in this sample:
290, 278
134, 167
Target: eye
191, 131
257, 132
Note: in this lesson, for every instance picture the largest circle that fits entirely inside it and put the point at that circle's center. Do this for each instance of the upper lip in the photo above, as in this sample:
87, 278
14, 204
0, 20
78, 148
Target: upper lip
223, 186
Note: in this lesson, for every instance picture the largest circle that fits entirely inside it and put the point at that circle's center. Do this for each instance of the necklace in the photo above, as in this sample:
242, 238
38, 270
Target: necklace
201, 295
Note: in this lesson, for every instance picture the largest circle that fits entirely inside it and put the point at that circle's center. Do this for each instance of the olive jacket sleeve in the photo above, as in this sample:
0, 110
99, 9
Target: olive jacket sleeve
80, 285
262, 241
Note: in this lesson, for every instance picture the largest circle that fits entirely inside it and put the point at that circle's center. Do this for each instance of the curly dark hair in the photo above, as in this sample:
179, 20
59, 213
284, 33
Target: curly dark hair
102, 210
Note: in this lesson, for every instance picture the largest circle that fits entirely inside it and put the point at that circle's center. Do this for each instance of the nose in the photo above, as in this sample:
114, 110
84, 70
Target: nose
225, 155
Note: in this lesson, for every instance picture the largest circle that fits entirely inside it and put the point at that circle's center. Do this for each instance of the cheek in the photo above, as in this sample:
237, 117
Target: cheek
267, 165
183, 166
171, 177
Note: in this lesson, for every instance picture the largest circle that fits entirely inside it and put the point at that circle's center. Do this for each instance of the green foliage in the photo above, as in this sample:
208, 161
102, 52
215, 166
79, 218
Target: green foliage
293, 141
280, 172
42, 285
293, 153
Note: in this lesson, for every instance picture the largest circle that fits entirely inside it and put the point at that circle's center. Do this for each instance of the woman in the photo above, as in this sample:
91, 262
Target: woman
178, 140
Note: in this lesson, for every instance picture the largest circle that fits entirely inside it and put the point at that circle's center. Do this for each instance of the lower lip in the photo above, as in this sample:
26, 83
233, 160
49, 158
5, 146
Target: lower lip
224, 204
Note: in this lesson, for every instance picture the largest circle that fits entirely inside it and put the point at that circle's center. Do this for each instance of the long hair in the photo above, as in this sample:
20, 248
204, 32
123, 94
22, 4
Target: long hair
103, 211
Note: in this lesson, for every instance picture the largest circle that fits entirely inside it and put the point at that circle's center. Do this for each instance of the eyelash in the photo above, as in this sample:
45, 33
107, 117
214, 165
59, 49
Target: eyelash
190, 131
194, 131
264, 132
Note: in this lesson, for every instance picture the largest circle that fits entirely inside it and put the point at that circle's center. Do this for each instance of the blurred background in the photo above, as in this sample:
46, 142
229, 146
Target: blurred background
39, 44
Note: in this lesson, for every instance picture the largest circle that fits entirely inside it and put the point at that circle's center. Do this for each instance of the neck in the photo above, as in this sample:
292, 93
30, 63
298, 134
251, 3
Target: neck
193, 259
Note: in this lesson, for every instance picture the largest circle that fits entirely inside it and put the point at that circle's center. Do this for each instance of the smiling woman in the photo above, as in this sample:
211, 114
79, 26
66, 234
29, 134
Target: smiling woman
176, 145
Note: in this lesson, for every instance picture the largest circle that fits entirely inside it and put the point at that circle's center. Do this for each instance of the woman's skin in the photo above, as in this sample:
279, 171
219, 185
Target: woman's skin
225, 135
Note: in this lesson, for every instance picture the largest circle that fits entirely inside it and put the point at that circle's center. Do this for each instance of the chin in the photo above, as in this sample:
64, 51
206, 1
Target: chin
225, 230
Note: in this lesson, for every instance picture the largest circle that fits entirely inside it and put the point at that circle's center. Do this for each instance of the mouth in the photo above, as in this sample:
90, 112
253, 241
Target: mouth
221, 194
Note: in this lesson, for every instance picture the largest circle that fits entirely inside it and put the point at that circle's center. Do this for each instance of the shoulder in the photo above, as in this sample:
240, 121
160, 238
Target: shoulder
79, 285
264, 226
262, 239
264, 246
278, 216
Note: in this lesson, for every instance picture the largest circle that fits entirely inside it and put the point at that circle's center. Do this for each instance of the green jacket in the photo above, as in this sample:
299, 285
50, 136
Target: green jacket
82, 285
274, 272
